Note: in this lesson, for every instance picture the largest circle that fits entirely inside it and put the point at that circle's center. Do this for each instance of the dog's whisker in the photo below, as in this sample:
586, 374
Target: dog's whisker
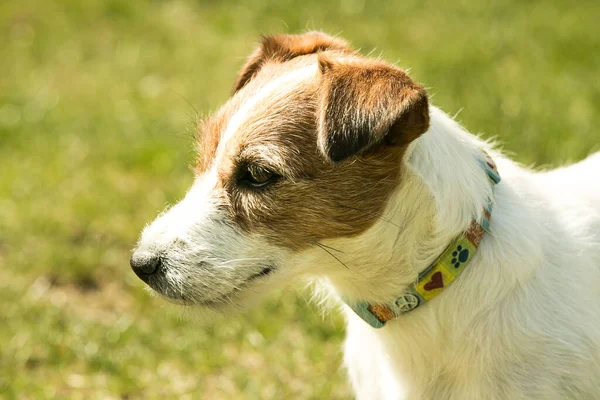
331, 254
242, 259
372, 215
196, 113
331, 248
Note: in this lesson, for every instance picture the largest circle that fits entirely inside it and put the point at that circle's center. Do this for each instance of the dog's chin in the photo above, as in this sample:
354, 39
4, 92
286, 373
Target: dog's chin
236, 299
227, 302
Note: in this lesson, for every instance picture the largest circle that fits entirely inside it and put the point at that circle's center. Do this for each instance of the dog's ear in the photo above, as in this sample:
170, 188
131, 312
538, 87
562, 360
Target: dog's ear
365, 102
285, 47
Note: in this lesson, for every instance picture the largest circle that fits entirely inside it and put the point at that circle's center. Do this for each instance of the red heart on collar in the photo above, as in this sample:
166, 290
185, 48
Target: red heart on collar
436, 282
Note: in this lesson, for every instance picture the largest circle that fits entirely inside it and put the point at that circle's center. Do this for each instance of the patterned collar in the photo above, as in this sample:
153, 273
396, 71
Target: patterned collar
441, 273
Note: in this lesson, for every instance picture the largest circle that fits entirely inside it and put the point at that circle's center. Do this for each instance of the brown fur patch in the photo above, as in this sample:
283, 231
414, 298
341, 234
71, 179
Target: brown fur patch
315, 199
283, 48
208, 136
364, 102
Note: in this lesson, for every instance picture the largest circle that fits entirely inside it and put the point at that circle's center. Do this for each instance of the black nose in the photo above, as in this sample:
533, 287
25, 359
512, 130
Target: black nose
145, 265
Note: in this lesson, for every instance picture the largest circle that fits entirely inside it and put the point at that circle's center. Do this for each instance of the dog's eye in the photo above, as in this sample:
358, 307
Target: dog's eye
256, 176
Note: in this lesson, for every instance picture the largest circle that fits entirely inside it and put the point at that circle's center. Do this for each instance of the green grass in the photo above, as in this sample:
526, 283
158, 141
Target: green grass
95, 139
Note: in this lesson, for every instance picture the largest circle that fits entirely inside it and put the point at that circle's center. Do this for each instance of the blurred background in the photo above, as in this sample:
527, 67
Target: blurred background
98, 100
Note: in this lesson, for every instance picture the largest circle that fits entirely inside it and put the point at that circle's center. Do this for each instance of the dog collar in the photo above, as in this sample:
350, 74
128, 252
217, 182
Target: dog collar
441, 273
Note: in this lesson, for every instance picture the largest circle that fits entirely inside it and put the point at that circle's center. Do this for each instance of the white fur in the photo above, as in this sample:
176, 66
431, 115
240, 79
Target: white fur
274, 90
206, 260
522, 321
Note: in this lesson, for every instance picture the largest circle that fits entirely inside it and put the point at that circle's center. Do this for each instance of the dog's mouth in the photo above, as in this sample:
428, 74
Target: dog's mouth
179, 296
265, 272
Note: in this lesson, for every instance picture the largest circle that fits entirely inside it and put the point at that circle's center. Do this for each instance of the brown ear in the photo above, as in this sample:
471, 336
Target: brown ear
285, 47
365, 102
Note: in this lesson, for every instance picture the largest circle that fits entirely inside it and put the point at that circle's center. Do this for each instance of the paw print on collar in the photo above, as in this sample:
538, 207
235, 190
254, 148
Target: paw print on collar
459, 255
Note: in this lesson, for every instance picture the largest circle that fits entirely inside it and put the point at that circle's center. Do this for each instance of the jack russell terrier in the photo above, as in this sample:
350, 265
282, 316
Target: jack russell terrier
461, 274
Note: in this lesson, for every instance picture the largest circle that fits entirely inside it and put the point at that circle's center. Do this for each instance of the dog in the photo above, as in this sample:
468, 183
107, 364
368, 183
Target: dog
461, 274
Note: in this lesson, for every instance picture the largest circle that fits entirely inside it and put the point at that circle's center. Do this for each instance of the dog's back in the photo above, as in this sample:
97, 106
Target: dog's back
579, 182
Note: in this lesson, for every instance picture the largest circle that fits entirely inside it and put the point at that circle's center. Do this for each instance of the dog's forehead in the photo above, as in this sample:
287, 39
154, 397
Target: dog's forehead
274, 111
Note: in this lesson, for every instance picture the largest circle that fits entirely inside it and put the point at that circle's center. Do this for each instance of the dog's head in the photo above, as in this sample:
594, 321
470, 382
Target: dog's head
307, 150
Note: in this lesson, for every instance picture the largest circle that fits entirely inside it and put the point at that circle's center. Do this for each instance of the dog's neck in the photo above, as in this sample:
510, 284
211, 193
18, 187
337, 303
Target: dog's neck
443, 188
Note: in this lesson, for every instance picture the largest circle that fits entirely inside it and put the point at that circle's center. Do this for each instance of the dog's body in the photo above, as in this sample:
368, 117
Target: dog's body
523, 321
328, 165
